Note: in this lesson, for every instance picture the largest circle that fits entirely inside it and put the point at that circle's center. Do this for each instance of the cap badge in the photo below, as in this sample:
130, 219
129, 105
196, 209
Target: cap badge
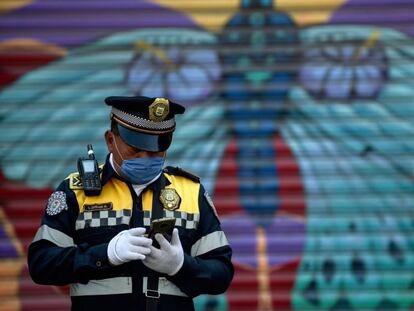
159, 109
170, 199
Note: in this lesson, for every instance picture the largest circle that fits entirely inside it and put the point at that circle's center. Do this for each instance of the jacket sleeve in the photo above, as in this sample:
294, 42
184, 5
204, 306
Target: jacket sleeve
53, 256
208, 269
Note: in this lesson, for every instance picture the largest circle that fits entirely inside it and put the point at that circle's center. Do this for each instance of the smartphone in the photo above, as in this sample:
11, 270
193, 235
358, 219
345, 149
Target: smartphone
165, 226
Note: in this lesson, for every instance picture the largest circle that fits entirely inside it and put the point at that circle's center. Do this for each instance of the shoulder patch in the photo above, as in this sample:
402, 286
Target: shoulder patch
181, 172
56, 203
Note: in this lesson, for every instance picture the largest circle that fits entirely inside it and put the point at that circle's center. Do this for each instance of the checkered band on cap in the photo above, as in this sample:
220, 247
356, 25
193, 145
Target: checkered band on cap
141, 123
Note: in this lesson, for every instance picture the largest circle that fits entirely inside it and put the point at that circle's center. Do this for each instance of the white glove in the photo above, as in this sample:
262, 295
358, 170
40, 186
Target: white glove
128, 245
169, 258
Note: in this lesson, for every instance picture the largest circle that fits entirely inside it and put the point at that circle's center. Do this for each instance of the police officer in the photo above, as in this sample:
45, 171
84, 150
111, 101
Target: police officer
98, 244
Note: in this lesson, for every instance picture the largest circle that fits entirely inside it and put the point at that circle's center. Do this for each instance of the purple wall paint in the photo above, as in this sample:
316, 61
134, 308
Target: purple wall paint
400, 14
75, 22
7, 249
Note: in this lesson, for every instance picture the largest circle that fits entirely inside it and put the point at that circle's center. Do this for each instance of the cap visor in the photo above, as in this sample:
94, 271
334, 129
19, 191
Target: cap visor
144, 141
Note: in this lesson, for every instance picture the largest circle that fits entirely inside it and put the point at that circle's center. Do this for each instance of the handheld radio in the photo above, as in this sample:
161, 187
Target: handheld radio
89, 173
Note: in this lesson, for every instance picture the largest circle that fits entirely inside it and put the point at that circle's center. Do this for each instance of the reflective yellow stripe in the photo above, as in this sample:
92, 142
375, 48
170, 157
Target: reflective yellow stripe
165, 287
208, 243
112, 286
55, 236
114, 191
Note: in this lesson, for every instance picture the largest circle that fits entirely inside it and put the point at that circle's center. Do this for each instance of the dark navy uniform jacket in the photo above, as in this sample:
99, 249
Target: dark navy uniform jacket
70, 247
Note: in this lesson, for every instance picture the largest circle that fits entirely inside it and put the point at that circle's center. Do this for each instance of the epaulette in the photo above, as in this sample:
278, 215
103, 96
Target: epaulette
181, 172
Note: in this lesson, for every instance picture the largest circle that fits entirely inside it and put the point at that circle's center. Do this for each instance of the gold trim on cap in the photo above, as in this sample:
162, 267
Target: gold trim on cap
159, 109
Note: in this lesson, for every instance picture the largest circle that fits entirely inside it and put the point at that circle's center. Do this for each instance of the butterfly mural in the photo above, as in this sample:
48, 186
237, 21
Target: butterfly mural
281, 123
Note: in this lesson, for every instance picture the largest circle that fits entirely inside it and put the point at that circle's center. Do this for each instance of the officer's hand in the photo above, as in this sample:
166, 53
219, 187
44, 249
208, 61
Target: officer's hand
169, 258
128, 245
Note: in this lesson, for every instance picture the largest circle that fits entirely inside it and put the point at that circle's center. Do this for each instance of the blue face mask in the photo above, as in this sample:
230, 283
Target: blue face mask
142, 170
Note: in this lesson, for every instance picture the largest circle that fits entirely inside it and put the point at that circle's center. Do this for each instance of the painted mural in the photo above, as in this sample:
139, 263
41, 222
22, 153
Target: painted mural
299, 121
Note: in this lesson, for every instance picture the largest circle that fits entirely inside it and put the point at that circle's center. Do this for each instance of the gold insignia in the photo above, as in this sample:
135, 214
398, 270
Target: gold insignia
159, 109
170, 199
75, 182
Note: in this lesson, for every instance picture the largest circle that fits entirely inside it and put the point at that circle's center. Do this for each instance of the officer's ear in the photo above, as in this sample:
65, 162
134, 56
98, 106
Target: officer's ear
109, 139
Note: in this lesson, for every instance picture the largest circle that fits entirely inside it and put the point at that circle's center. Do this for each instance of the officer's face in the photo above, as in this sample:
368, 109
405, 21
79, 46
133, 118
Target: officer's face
122, 151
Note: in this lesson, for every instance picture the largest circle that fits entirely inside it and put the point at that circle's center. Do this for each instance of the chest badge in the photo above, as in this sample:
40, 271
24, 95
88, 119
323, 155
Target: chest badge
170, 199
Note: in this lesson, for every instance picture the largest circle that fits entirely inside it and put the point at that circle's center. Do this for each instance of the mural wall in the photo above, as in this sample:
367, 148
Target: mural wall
299, 121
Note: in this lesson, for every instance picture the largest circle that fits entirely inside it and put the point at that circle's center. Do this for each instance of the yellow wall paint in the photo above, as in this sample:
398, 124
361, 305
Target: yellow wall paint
305, 12
6, 6
213, 14
210, 14
31, 45
10, 304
